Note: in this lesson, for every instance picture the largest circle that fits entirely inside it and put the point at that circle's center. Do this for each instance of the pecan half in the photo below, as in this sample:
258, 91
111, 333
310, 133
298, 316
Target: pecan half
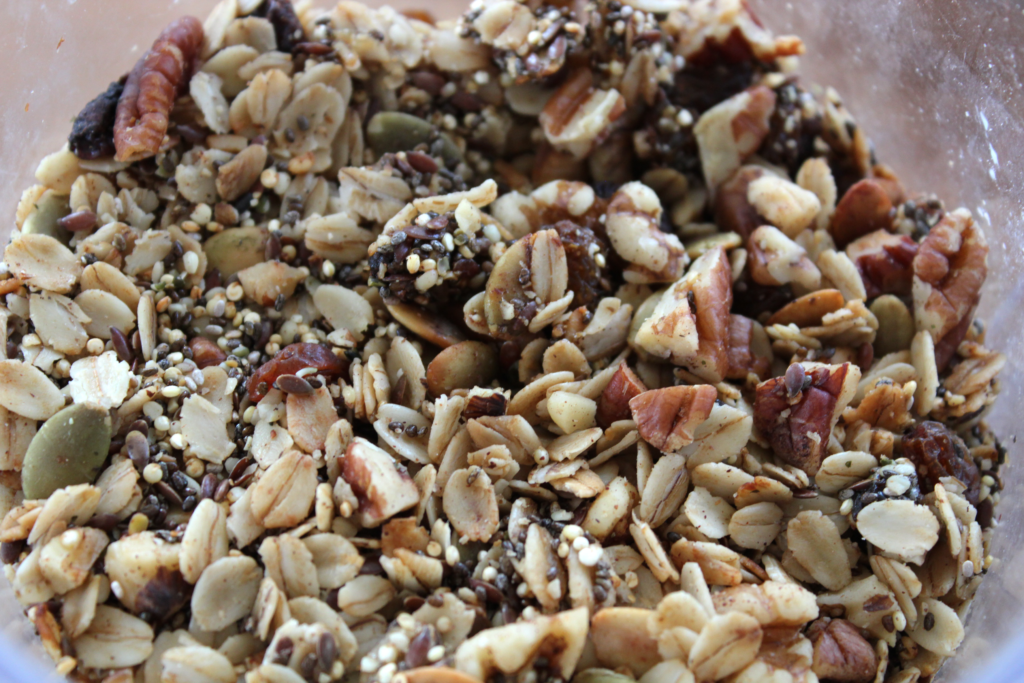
864, 208
797, 412
667, 418
613, 404
733, 213
143, 112
939, 452
690, 324
749, 349
949, 269
884, 261
841, 653
92, 135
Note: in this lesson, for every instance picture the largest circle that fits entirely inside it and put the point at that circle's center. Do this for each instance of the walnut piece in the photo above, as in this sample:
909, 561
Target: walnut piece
152, 86
949, 270
797, 412
841, 653
667, 418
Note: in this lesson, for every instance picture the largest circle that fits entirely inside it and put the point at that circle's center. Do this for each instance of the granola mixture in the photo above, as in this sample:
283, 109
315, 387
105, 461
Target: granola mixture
571, 342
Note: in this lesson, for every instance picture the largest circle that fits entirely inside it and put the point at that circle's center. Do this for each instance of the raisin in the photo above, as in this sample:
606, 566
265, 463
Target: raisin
287, 27
92, 135
290, 360
938, 452
586, 279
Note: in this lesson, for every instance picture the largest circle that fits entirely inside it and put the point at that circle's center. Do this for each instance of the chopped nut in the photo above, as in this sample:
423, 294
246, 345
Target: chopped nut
841, 653
668, 417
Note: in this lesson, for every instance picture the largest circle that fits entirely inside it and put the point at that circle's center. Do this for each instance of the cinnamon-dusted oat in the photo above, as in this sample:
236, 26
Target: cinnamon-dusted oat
386, 361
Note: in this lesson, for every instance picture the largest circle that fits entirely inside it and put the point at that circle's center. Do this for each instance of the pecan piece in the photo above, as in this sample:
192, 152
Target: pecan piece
864, 208
690, 323
733, 213
667, 418
841, 653
382, 487
613, 404
92, 135
796, 412
949, 269
938, 452
143, 112
777, 260
579, 116
749, 349
633, 225
884, 261
290, 360
731, 131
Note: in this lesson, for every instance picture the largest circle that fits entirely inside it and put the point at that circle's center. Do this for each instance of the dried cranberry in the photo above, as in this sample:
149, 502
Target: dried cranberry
290, 360
938, 452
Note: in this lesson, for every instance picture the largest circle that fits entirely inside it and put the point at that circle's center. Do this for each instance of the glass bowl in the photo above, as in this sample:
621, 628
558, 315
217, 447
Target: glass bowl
937, 85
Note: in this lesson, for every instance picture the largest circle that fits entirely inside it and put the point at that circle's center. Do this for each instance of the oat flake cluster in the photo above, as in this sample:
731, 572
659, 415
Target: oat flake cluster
556, 343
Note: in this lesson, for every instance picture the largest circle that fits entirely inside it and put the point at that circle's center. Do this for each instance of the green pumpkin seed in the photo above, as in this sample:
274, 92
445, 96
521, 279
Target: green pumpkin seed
895, 325
394, 131
50, 208
601, 676
236, 249
70, 448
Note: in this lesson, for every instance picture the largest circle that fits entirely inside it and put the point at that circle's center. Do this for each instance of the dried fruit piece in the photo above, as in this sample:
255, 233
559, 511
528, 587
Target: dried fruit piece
668, 417
938, 452
92, 135
143, 112
797, 412
287, 27
289, 361
949, 270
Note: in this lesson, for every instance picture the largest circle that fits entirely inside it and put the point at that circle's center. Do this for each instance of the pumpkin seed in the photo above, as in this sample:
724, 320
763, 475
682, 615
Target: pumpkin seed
393, 131
235, 249
50, 208
50, 465
895, 325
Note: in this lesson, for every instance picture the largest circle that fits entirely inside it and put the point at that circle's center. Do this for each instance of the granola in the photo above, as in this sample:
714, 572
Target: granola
555, 343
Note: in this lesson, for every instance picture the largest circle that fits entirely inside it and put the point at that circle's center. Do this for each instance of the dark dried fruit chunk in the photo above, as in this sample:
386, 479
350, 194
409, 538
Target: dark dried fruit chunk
164, 595
938, 452
841, 653
493, 404
290, 360
798, 426
613, 405
586, 279
287, 27
143, 112
92, 135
